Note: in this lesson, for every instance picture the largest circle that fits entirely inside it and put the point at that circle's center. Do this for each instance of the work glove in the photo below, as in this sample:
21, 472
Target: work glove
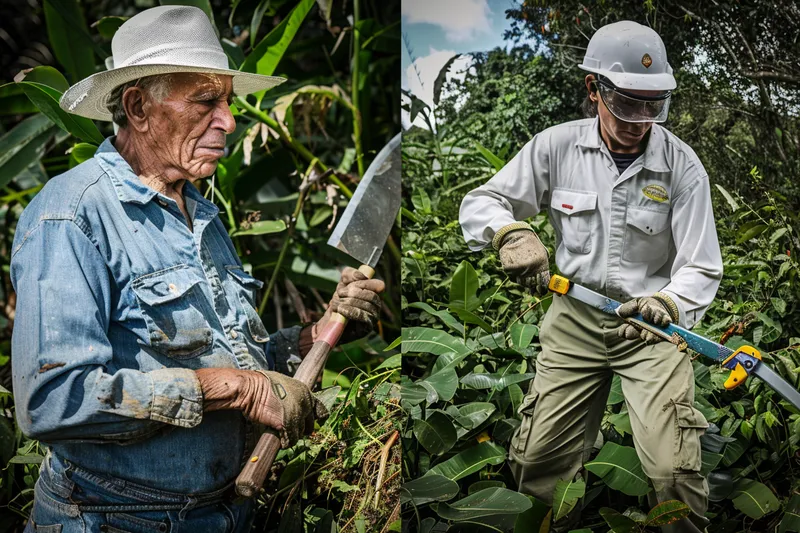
523, 256
658, 309
357, 298
270, 398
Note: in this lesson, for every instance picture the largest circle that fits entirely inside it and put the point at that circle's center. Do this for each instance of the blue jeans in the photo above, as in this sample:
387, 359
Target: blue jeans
71, 499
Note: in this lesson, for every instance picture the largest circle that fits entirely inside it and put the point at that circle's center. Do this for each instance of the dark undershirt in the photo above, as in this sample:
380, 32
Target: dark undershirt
623, 161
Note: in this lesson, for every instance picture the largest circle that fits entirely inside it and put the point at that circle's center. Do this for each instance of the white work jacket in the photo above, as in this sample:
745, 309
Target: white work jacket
650, 229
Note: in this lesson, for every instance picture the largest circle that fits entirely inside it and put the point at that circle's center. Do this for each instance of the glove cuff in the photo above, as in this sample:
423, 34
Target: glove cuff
505, 230
670, 305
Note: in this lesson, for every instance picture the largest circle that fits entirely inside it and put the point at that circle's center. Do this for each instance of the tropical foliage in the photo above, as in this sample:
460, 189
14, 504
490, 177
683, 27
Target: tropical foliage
293, 162
471, 335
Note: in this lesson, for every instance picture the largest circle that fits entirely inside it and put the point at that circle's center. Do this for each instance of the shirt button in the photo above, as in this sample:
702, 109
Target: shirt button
173, 288
162, 203
234, 334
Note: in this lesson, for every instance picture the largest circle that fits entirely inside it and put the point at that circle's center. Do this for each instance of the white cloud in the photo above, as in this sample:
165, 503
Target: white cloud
420, 77
462, 20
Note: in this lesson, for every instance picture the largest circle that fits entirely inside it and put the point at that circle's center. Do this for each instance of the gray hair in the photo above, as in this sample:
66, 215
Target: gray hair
159, 87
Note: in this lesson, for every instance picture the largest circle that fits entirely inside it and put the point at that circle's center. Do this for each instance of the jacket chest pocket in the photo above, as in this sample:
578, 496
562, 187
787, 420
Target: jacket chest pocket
246, 286
576, 214
646, 237
172, 302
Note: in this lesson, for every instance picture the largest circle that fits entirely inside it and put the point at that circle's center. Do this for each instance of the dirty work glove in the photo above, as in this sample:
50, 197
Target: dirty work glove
270, 398
523, 256
658, 309
358, 299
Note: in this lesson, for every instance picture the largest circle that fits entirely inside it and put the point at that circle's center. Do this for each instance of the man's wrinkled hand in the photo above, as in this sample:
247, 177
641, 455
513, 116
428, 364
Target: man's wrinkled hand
357, 298
525, 259
270, 398
653, 310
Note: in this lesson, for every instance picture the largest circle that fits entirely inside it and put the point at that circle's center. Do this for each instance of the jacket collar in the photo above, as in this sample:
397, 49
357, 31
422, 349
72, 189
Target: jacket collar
655, 155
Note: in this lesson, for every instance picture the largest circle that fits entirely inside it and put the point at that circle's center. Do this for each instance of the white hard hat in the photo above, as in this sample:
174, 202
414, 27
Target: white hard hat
631, 56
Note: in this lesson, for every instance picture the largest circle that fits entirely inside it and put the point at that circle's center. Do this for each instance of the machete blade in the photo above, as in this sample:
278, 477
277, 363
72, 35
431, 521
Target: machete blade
368, 219
778, 384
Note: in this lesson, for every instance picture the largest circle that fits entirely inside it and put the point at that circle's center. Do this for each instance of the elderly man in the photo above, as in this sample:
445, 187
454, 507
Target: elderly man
631, 207
138, 355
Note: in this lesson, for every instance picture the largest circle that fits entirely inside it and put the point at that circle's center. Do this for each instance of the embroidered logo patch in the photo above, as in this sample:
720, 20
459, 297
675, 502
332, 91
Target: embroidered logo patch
656, 193
647, 61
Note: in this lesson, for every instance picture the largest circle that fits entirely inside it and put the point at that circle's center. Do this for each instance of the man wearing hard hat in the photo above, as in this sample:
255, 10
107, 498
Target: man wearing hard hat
631, 208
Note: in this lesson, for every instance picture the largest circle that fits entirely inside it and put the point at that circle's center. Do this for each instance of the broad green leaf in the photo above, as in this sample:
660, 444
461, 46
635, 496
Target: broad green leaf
492, 159
394, 361
728, 198
615, 395
432, 488
441, 78
710, 462
43, 75
81, 152
621, 423
320, 215
745, 234
470, 461
791, 518
486, 502
25, 143
46, 100
620, 469
267, 54
445, 383
473, 415
421, 201
69, 38
445, 316
667, 512
522, 335
262, 227
108, 26
413, 393
566, 496
533, 519
31, 459
464, 288
754, 498
480, 485
471, 318
495, 381
429, 340
14, 102
618, 522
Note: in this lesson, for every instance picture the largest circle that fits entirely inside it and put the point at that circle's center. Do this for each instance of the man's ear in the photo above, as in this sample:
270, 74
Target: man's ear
136, 102
591, 86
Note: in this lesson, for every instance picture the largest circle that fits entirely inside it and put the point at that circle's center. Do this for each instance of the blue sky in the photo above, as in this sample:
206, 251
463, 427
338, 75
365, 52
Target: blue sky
438, 29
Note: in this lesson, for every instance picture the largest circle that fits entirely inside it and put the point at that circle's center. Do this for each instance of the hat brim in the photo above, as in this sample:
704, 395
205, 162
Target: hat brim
634, 81
89, 97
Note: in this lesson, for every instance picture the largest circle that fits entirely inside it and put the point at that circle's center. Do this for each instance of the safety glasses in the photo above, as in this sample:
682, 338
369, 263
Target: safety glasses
634, 108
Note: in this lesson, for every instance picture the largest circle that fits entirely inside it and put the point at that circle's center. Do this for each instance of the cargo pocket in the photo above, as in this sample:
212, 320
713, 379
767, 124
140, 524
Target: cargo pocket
576, 214
52, 528
520, 439
246, 287
690, 424
171, 305
645, 237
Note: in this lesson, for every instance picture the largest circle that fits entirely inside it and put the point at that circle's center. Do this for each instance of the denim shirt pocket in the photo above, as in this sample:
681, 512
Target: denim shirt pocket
172, 304
246, 287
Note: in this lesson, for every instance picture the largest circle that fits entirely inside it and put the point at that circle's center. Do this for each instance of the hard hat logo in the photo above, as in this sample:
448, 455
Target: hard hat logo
647, 61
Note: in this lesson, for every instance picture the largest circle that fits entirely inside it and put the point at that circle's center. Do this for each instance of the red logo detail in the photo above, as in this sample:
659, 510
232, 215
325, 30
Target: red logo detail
566, 206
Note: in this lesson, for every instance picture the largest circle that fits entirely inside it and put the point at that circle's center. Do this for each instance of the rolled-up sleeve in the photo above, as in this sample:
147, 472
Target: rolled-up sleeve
66, 385
697, 268
513, 194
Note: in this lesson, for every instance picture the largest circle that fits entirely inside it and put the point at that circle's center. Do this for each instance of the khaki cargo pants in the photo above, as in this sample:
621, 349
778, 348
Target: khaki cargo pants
564, 407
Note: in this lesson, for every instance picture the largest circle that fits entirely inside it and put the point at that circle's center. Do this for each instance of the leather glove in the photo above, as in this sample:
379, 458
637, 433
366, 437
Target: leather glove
358, 299
524, 257
270, 398
658, 309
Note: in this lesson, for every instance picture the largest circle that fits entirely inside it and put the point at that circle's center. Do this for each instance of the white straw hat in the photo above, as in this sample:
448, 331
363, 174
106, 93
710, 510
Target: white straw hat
160, 40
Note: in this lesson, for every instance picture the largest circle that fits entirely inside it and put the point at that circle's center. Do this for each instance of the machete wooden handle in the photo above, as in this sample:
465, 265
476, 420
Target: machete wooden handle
255, 471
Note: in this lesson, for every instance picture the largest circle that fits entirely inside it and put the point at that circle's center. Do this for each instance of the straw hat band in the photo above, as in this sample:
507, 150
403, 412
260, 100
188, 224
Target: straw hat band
189, 54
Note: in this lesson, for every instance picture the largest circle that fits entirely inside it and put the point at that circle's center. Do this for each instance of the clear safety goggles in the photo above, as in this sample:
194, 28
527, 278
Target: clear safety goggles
634, 108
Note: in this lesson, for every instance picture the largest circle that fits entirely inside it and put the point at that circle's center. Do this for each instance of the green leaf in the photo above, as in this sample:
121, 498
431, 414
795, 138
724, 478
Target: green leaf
449, 320
432, 488
615, 395
69, 38
480, 485
747, 233
31, 459
566, 496
754, 498
522, 335
728, 198
80, 153
471, 318
710, 462
43, 75
618, 522
470, 461
262, 227
14, 102
429, 340
621, 423
667, 512
108, 26
25, 143
320, 215
491, 501
791, 518
394, 361
441, 78
268, 53
473, 415
495, 381
444, 383
437, 434
464, 288
421, 201
620, 469
493, 160
413, 393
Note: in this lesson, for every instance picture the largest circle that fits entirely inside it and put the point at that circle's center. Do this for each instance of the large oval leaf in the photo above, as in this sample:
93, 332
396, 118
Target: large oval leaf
262, 227
433, 488
69, 38
445, 383
618, 522
470, 461
491, 501
429, 340
620, 469
267, 54
522, 335
436, 433
24, 144
667, 512
754, 498
566, 496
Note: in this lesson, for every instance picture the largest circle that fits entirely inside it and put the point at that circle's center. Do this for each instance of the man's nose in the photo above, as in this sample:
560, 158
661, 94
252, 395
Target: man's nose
224, 118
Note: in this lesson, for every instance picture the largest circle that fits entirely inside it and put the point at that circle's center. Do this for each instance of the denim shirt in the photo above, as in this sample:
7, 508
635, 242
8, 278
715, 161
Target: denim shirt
118, 302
